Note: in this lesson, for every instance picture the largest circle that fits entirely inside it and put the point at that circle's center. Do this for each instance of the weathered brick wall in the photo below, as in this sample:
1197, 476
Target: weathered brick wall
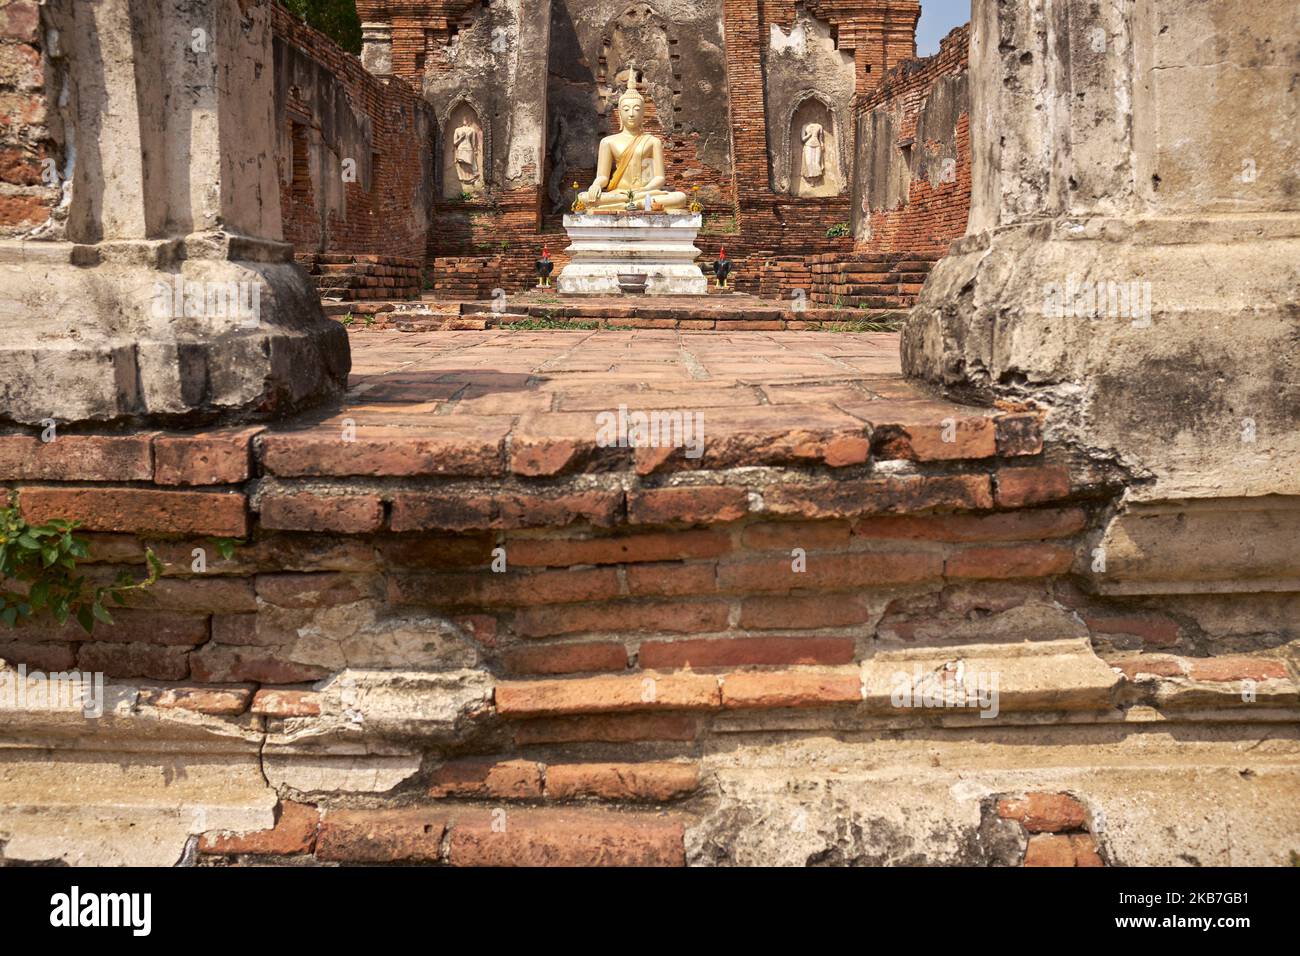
333, 112
912, 185
29, 126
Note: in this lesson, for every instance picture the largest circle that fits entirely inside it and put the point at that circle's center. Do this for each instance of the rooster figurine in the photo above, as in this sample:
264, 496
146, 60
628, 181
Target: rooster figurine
544, 267
722, 268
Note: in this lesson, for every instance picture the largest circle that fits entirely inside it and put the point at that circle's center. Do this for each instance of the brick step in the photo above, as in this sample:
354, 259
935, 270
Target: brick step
460, 835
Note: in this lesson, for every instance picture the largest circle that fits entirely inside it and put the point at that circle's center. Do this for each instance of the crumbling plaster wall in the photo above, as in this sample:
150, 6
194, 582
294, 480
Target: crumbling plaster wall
497, 62
801, 64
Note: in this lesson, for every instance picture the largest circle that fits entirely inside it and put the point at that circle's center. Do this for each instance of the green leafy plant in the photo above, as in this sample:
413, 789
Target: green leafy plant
225, 546
337, 19
347, 319
370, 319
538, 324
838, 231
42, 561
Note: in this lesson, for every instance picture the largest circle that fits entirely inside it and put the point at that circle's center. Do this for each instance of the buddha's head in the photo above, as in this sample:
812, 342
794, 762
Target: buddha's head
631, 105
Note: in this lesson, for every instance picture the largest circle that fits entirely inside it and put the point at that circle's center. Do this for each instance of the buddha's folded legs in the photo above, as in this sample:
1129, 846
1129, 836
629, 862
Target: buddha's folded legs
667, 200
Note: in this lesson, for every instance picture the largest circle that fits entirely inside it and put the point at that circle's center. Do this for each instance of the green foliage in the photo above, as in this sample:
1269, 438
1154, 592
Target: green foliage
347, 319
859, 325
337, 19
42, 561
839, 231
225, 546
534, 325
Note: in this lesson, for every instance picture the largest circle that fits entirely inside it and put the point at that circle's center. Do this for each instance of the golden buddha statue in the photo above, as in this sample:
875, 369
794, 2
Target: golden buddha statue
631, 161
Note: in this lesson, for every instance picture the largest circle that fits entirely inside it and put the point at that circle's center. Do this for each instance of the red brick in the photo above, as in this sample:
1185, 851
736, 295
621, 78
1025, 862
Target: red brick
140, 510
831, 571
1235, 668
195, 594
772, 690
1151, 664
22, 210
598, 507
451, 446
211, 458
504, 589
1002, 526
1049, 849
451, 511
304, 511
381, 836
1154, 629
217, 701
786, 535
703, 504
294, 833
129, 625
1085, 850
653, 780
924, 441
76, 458
666, 580
598, 695
596, 728
804, 612
641, 617
47, 657
565, 658
149, 661
311, 590
487, 777
1018, 487
566, 838
841, 499
738, 652
437, 552
1044, 812
21, 20
219, 664
269, 702
1012, 561
617, 549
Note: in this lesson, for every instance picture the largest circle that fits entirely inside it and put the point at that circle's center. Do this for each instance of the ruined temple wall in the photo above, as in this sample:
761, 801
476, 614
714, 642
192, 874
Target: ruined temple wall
30, 132
726, 81
354, 156
912, 181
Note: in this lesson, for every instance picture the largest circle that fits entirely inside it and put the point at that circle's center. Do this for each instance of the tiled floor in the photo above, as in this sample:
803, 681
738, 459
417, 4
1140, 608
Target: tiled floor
500, 372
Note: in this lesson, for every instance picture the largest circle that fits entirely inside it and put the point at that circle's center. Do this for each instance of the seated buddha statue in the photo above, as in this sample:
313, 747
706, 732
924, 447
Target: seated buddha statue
632, 161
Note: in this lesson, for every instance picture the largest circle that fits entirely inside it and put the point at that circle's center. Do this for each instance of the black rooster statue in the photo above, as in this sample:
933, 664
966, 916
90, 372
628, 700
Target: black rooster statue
544, 267
722, 268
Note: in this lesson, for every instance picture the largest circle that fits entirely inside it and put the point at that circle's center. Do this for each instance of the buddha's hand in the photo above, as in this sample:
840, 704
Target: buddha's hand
594, 194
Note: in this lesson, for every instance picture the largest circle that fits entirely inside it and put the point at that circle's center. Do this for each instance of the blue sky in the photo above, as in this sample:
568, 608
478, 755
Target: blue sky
937, 18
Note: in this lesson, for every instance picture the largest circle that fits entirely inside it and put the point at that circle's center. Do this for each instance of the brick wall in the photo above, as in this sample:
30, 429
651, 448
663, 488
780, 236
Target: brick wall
917, 118
336, 118
28, 126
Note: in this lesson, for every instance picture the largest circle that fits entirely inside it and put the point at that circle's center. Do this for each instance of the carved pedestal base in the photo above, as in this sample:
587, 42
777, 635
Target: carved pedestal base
660, 246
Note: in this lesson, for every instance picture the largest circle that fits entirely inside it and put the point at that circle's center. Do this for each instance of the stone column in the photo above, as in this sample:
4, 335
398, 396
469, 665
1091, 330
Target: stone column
161, 291
1133, 252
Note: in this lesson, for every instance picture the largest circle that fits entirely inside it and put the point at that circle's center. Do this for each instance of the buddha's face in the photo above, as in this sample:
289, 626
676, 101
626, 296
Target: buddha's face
631, 109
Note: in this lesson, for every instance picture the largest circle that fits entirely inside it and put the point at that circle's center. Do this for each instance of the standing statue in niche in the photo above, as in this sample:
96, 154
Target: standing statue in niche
813, 139
630, 170
465, 141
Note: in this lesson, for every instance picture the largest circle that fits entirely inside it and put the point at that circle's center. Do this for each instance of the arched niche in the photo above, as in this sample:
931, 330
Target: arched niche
815, 167
464, 152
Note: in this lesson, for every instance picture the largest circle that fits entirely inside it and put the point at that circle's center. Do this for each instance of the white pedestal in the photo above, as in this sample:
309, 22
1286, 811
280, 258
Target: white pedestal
660, 246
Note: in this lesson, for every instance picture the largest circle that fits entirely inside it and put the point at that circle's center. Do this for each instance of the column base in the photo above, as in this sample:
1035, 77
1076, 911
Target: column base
203, 330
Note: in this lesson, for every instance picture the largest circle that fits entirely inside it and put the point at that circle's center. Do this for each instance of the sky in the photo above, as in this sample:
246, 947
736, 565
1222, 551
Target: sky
937, 18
